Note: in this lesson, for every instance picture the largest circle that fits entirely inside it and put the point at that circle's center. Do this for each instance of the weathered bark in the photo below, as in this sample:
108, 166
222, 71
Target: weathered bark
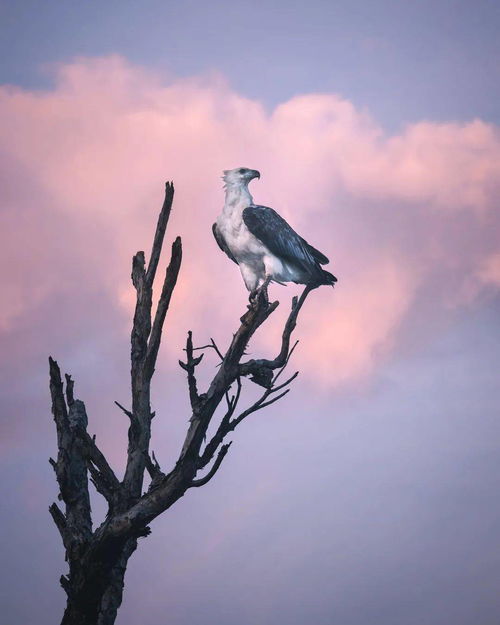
98, 558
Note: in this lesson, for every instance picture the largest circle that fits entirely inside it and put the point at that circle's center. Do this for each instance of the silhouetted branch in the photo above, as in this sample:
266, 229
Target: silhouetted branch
222, 430
71, 464
213, 346
59, 409
127, 412
145, 342
161, 227
163, 304
218, 461
154, 470
59, 520
254, 366
189, 366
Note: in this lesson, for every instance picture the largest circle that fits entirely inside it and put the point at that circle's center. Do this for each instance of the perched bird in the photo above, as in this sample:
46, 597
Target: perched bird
261, 242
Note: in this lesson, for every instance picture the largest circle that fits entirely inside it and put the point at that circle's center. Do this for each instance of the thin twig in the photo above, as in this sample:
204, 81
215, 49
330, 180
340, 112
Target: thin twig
283, 384
215, 466
127, 412
59, 520
189, 366
289, 355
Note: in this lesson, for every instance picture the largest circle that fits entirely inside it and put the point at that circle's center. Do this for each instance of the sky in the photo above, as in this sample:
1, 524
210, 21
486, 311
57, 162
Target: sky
367, 495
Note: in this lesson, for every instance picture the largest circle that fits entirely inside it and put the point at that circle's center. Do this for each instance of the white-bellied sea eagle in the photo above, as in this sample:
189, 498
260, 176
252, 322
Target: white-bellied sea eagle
261, 242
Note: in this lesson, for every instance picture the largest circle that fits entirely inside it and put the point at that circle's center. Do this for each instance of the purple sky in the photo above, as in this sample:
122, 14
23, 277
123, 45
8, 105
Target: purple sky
369, 494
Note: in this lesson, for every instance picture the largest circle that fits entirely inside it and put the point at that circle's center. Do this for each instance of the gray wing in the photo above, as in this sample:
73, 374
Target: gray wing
281, 239
222, 244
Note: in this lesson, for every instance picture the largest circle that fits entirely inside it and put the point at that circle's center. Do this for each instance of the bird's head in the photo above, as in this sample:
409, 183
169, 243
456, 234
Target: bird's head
239, 176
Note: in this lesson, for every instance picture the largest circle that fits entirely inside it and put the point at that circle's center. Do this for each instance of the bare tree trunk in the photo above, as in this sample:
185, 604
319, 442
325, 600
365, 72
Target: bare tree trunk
101, 590
98, 558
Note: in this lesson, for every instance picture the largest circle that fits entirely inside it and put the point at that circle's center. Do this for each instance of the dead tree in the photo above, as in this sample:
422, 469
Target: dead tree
97, 558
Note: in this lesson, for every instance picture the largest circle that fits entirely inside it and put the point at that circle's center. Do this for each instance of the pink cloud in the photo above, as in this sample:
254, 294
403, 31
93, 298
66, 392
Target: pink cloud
489, 271
401, 216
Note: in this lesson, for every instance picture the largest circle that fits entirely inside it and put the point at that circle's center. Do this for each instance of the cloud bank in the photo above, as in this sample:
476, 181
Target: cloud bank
410, 221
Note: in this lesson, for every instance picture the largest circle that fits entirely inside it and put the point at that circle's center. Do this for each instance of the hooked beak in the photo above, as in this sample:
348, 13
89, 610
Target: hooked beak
254, 174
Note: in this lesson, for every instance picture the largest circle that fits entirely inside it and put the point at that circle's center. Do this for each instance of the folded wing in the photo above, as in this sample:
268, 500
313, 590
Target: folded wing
281, 239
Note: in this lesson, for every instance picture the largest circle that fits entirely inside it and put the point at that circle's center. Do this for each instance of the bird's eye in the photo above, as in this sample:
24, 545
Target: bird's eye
242, 171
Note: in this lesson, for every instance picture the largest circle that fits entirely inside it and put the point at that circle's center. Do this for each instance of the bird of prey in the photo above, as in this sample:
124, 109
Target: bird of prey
261, 242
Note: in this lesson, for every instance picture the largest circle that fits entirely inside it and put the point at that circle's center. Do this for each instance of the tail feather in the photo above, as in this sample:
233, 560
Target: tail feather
316, 276
328, 278
323, 277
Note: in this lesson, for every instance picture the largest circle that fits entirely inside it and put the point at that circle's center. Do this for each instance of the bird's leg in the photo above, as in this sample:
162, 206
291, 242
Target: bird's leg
253, 297
257, 293
260, 291
263, 289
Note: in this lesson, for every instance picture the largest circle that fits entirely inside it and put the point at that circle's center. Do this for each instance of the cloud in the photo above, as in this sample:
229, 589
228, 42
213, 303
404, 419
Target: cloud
489, 272
404, 218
